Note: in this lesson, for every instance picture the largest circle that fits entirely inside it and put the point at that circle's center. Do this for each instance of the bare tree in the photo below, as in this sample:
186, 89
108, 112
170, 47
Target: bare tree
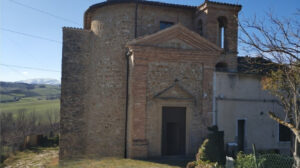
278, 40
53, 119
32, 122
6, 120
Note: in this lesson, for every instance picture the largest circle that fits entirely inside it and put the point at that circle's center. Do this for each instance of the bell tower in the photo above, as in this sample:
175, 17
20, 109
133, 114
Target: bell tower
218, 22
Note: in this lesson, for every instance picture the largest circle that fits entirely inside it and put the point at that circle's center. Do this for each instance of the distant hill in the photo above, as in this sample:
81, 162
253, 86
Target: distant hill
13, 91
41, 81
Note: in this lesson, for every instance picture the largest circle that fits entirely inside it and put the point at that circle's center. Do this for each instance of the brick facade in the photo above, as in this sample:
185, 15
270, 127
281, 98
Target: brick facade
191, 64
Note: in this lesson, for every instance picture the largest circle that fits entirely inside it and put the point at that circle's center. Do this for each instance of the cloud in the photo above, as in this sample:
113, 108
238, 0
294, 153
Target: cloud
25, 73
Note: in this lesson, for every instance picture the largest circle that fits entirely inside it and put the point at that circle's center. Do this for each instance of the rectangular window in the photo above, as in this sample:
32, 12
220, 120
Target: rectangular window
284, 133
164, 24
222, 29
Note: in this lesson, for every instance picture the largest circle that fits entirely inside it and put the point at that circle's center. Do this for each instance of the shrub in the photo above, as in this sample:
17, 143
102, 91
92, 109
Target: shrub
205, 164
245, 161
276, 161
191, 164
211, 152
212, 148
248, 161
202, 152
270, 160
202, 164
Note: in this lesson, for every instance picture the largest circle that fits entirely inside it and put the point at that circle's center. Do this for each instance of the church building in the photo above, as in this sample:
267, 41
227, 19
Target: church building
145, 79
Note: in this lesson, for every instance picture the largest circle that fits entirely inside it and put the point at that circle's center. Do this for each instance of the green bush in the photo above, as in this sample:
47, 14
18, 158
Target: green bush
211, 153
212, 148
202, 151
276, 161
247, 161
191, 164
206, 164
270, 160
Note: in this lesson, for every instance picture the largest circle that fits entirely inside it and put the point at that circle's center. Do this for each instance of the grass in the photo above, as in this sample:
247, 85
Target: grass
29, 98
6, 97
122, 163
31, 104
49, 90
48, 157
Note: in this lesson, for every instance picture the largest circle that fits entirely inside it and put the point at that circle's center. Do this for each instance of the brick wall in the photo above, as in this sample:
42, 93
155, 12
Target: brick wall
153, 70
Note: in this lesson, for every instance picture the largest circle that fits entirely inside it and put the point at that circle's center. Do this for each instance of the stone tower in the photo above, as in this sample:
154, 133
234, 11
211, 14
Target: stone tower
218, 22
93, 101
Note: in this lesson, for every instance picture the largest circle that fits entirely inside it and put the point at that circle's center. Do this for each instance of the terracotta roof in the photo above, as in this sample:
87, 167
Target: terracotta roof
222, 3
256, 65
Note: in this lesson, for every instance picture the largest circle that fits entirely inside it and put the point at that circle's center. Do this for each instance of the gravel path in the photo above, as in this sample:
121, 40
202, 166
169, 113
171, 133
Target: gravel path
33, 159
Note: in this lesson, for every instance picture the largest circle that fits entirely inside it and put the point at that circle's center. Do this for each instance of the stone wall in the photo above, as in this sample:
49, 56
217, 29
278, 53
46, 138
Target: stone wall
103, 103
149, 18
113, 27
73, 121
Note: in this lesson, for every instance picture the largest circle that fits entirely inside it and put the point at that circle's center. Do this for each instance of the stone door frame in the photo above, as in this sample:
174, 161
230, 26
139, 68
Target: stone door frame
175, 103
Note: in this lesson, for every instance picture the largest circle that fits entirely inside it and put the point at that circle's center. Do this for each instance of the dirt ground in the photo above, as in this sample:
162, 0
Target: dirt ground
48, 158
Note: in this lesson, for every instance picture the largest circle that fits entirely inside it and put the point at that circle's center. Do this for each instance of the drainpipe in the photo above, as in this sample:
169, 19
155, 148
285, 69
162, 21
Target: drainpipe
135, 18
214, 111
127, 55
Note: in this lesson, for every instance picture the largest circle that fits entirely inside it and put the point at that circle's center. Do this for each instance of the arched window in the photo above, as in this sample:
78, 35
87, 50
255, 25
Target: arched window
222, 32
200, 27
221, 66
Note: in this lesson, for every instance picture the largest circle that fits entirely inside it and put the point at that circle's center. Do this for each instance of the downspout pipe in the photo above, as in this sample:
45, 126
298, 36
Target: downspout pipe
135, 17
215, 117
127, 55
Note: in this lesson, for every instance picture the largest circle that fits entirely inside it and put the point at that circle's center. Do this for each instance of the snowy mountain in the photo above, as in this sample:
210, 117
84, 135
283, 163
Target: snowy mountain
41, 81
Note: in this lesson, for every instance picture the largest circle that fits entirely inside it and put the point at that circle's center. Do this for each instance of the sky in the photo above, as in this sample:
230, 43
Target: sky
31, 31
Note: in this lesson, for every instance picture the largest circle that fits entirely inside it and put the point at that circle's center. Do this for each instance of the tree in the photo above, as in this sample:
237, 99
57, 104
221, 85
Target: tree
53, 120
278, 40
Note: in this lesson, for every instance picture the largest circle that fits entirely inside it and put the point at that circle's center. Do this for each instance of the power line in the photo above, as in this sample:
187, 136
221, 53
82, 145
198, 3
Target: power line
16, 71
30, 35
33, 68
44, 12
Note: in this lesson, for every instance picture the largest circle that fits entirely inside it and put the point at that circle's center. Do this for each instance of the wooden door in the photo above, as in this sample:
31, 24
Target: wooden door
173, 130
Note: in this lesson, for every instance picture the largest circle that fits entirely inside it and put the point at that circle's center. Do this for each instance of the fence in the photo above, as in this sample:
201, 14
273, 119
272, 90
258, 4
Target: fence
275, 161
272, 160
265, 160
